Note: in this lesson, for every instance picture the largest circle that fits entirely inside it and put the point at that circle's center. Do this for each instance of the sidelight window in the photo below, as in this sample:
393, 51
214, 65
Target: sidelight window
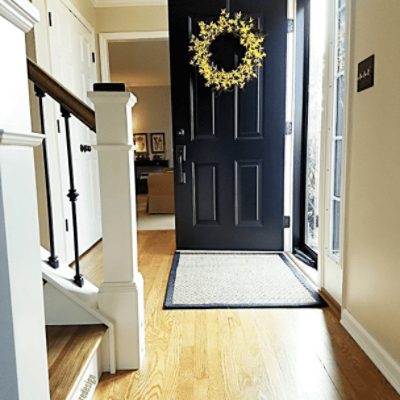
338, 131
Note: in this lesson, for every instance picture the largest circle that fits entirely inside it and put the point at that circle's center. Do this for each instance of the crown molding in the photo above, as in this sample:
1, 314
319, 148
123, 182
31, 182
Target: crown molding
21, 13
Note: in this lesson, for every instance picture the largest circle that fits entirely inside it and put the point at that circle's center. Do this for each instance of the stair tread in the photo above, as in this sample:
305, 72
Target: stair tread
69, 348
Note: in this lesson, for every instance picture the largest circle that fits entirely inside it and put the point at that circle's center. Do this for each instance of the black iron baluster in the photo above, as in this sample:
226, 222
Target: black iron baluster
53, 259
72, 195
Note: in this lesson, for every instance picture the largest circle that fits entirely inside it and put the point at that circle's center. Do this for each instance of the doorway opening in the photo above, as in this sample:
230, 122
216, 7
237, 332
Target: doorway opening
141, 61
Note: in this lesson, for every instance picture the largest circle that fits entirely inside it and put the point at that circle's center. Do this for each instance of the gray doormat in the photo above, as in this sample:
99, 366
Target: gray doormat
237, 280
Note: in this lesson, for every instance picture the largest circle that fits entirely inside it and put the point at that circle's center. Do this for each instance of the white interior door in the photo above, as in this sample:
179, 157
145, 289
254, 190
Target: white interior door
71, 48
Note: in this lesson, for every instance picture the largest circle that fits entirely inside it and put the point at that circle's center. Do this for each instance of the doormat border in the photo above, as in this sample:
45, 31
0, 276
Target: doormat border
168, 300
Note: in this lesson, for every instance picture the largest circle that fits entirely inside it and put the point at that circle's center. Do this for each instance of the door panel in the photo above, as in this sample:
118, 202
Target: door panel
71, 46
232, 198
249, 110
248, 192
204, 178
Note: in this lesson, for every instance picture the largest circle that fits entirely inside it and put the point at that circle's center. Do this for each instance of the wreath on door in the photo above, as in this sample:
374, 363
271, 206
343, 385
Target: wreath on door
251, 38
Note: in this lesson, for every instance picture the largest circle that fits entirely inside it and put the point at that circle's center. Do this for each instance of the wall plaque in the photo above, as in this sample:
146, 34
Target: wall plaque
365, 77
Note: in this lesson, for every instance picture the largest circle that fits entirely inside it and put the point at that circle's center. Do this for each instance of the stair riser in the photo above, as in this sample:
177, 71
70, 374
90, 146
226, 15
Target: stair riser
86, 385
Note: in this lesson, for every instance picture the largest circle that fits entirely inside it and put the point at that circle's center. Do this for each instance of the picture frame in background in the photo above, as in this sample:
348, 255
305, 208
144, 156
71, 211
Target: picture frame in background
157, 142
140, 141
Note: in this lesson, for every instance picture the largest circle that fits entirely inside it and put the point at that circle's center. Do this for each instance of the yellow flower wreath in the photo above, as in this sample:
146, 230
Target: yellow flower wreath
250, 38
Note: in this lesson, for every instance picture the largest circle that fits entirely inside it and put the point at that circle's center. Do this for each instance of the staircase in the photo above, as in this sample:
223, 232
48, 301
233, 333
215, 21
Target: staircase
58, 337
74, 359
80, 338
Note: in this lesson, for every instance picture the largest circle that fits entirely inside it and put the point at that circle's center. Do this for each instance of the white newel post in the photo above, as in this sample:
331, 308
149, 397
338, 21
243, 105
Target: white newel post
23, 355
121, 294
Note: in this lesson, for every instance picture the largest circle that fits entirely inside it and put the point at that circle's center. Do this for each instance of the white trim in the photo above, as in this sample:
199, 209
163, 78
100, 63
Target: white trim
308, 271
21, 13
20, 139
378, 355
326, 149
127, 98
345, 141
289, 117
106, 38
129, 3
325, 144
58, 282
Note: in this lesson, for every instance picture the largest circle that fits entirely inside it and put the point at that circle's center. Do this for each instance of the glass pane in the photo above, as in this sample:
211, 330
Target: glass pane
341, 41
315, 103
336, 227
337, 168
339, 129
340, 106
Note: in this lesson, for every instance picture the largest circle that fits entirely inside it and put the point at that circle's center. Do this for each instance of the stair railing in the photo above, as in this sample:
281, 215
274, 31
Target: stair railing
70, 105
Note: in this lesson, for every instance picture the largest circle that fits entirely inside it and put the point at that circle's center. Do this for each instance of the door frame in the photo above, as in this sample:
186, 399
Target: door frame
329, 276
290, 115
134, 36
331, 271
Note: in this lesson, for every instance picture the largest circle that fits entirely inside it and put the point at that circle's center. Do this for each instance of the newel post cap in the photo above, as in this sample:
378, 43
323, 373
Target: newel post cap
112, 97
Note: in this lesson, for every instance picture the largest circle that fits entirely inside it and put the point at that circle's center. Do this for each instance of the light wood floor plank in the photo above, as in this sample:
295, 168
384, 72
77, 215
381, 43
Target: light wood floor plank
69, 348
263, 354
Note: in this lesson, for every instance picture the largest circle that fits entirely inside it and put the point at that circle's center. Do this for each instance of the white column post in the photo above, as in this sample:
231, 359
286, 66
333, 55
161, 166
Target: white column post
121, 294
23, 354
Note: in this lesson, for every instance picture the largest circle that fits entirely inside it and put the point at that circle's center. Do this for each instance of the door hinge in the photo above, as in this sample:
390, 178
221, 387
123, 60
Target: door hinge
93, 57
289, 128
66, 225
290, 25
58, 126
286, 221
50, 19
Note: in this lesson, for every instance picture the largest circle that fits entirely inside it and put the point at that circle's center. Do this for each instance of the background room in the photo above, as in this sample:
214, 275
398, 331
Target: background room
143, 64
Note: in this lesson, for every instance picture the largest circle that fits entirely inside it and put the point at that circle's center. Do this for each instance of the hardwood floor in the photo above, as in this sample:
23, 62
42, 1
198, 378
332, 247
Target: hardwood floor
274, 354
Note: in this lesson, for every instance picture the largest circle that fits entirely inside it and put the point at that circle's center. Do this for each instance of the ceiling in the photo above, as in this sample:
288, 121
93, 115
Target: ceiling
140, 63
128, 3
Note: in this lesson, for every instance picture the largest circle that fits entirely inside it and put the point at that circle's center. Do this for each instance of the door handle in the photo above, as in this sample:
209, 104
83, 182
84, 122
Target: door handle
181, 158
85, 148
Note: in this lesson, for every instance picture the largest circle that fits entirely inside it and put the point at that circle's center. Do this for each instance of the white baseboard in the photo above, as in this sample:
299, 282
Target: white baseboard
378, 355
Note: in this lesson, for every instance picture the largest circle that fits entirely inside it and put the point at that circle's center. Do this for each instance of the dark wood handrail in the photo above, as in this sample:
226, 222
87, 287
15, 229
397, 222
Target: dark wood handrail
61, 95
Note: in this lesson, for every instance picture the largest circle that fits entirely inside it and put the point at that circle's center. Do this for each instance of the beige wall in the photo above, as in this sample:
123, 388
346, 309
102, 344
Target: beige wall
127, 19
152, 113
85, 7
372, 234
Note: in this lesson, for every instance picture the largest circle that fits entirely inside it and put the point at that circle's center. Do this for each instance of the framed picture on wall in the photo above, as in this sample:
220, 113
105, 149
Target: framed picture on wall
157, 142
140, 141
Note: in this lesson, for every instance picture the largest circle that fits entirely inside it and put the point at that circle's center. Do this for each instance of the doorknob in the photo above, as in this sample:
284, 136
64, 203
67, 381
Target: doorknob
180, 132
181, 158
85, 148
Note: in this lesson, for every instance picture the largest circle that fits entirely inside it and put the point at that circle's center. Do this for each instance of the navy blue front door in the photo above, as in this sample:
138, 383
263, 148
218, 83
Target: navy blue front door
229, 147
